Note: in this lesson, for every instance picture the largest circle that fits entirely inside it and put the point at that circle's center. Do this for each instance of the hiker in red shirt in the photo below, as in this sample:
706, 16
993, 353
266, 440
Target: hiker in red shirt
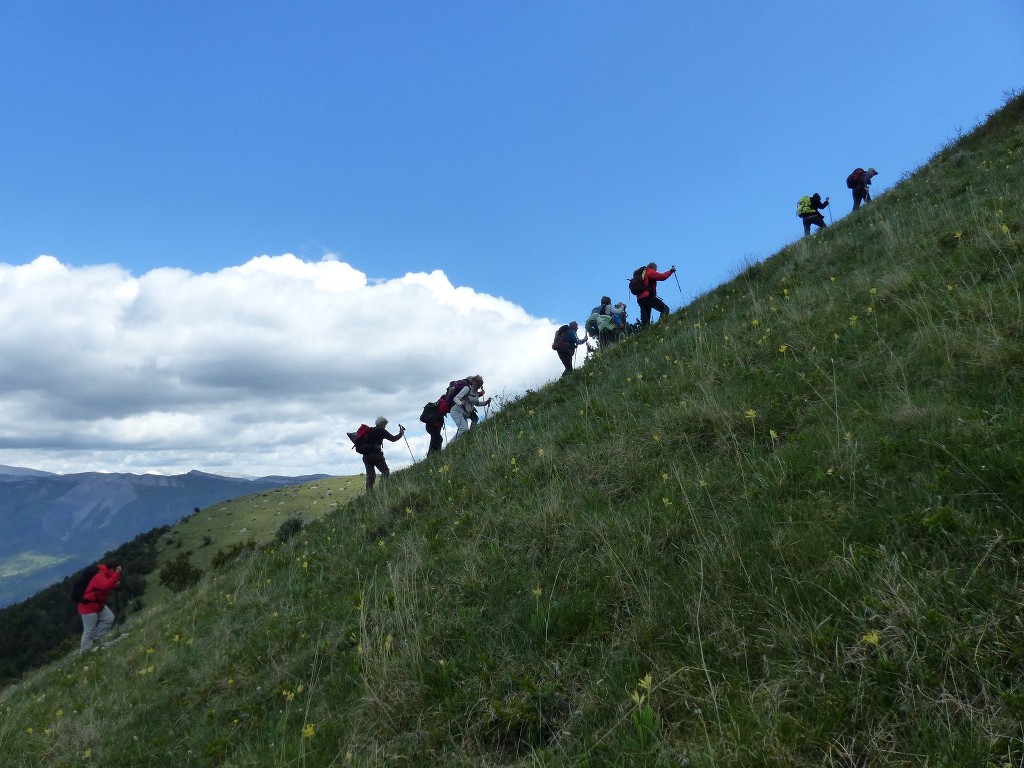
97, 618
648, 298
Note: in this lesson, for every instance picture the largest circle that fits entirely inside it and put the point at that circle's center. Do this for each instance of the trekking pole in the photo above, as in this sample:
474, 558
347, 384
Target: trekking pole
676, 276
830, 221
408, 446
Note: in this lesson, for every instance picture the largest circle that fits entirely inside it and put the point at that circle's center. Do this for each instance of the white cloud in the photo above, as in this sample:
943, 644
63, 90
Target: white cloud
255, 369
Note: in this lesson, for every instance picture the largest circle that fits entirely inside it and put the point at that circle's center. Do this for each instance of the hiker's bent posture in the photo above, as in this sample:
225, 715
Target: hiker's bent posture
464, 404
607, 322
97, 618
859, 181
373, 450
807, 208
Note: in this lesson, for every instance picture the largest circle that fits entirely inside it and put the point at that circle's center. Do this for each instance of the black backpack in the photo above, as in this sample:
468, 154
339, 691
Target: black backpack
430, 413
854, 178
637, 284
81, 582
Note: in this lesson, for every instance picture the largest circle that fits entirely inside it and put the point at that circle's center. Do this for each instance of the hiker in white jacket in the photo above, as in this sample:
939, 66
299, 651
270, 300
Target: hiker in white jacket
465, 402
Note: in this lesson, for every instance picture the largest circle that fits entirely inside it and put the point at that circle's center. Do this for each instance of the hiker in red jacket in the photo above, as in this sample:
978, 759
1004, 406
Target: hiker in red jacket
97, 618
373, 450
648, 298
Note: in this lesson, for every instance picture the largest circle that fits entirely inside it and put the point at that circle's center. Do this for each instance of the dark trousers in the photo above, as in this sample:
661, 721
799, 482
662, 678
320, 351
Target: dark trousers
373, 462
813, 218
860, 195
647, 304
565, 355
436, 443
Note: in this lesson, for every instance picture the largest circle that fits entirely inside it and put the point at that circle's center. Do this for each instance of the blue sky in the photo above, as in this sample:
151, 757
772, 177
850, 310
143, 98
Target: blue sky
530, 151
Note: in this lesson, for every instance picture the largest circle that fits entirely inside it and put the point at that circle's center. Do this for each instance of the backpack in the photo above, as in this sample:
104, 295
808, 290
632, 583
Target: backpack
78, 587
804, 206
454, 387
591, 325
558, 343
358, 438
430, 413
637, 284
854, 178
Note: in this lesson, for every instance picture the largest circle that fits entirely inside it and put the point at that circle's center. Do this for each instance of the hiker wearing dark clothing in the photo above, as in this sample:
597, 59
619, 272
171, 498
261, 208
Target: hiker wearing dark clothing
648, 297
464, 403
373, 450
859, 181
97, 618
807, 208
434, 426
565, 344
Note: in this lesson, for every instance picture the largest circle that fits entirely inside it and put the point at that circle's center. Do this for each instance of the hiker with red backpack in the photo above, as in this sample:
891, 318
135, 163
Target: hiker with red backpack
859, 181
369, 443
465, 395
97, 618
565, 344
644, 285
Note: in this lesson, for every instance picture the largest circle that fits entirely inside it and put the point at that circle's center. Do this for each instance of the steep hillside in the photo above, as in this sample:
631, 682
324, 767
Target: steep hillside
781, 528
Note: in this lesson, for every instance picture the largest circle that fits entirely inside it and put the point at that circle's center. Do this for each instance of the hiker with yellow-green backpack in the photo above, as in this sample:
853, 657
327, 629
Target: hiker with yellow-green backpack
807, 208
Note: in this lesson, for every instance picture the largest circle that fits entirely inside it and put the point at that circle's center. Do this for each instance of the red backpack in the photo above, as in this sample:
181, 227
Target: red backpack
854, 178
358, 437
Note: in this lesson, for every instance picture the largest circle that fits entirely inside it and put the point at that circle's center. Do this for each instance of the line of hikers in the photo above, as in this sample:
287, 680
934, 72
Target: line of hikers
808, 207
606, 324
459, 401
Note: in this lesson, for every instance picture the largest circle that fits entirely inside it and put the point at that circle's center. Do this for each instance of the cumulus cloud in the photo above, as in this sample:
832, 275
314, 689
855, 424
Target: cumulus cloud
255, 369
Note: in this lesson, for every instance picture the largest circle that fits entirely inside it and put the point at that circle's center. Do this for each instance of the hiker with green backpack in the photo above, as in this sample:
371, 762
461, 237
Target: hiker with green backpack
807, 208
607, 322
368, 442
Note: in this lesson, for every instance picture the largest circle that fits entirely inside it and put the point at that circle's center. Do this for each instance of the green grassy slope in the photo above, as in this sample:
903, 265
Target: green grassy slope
247, 521
781, 528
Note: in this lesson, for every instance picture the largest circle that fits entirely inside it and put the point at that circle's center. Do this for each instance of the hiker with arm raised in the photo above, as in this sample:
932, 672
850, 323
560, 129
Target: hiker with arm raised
807, 208
565, 344
97, 618
465, 401
647, 293
372, 450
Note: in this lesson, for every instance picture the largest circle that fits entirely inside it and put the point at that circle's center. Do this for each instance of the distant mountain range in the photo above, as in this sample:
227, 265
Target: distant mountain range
51, 525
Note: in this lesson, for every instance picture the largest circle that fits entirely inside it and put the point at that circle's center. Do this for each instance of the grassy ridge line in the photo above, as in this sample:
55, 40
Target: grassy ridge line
247, 521
795, 505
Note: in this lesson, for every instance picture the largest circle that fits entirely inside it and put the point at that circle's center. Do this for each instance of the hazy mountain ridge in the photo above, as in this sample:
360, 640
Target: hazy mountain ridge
51, 525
